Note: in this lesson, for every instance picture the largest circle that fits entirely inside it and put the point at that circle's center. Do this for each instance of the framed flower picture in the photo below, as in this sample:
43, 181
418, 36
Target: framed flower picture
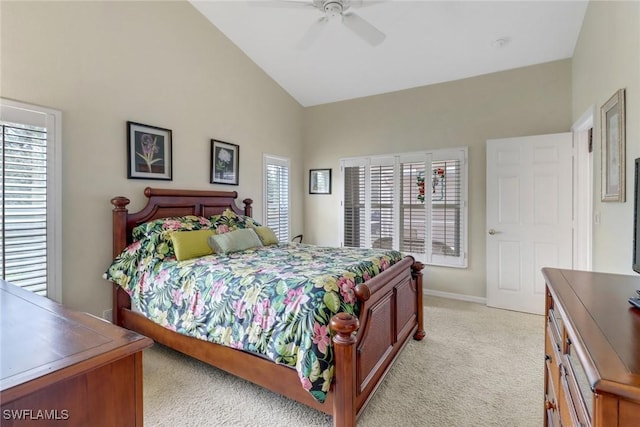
149, 152
225, 162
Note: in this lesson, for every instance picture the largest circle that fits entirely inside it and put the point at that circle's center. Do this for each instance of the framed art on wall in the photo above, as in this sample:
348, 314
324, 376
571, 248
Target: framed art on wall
149, 152
320, 181
225, 162
612, 123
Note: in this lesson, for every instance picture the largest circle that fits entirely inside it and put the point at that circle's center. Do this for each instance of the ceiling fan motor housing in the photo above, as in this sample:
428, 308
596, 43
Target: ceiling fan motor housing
333, 8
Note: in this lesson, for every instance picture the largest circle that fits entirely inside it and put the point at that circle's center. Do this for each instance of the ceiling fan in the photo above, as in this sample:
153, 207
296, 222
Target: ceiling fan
333, 9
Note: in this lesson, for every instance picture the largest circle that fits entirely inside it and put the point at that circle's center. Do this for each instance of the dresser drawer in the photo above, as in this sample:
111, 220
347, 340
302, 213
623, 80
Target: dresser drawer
551, 399
629, 413
552, 355
574, 410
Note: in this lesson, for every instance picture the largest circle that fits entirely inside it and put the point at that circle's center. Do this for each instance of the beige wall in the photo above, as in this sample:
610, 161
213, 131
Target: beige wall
158, 63
607, 58
526, 101
162, 63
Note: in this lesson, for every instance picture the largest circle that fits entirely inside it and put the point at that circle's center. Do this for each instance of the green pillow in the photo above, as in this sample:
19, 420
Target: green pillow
234, 241
266, 235
191, 244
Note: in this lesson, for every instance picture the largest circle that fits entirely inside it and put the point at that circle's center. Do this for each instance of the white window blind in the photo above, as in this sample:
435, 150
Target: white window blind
446, 208
415, 202
276, 193
382, 173
354, 206
412, 209
30, 226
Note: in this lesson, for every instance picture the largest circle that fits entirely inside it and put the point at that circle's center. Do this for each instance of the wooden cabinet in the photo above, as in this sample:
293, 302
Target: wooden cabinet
592, 349
59, 367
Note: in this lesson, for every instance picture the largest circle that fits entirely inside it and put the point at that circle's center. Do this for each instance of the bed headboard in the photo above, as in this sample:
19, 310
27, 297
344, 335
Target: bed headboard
164, 203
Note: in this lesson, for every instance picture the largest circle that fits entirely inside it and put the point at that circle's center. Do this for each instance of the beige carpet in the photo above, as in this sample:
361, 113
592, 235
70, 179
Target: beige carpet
477, 367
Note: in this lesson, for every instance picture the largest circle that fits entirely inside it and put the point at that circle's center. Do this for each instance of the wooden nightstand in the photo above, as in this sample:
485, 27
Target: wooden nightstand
62, 367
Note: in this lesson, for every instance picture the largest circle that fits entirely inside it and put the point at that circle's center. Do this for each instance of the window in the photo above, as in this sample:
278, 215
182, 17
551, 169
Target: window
30, 242
276, 194
414, 202
354, 205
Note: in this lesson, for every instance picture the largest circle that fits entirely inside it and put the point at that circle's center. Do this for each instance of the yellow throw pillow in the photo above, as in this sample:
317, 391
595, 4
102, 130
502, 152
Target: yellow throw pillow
266, 235
191, 244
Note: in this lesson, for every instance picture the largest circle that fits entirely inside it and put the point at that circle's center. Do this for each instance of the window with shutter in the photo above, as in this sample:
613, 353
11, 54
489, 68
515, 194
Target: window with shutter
415, 202
354, 206
412, 208
382, 203
276, 193
446, 209
30, 222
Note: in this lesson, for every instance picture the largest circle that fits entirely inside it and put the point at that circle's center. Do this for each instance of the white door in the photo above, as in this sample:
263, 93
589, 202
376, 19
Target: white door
529, 217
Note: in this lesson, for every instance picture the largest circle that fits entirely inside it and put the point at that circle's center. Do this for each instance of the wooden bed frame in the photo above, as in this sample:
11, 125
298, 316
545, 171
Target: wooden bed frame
391, 313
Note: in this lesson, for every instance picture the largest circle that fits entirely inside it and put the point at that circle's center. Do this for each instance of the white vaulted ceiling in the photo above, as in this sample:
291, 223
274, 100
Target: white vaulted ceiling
426, 42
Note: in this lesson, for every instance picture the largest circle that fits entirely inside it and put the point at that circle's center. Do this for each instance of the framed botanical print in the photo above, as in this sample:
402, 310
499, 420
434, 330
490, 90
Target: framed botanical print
149, 152
225, 162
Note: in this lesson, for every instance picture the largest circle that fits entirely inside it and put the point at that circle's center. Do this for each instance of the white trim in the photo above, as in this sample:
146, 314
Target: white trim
410, 156
450, 295
582, 192
50, 119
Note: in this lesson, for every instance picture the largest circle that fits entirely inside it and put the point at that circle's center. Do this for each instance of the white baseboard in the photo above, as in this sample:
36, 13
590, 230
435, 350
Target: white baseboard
450, 295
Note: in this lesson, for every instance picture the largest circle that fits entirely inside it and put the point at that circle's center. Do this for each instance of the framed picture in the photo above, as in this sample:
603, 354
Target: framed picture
149, 152
320, 181
612, 124
225, 162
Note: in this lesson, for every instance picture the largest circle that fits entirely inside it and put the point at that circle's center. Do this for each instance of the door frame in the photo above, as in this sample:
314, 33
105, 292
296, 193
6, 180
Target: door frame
583, 192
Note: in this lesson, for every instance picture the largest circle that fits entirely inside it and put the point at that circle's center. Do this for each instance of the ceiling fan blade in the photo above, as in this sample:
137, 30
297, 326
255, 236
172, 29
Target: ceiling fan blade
287, 4
364, 3
312, 33
364, 29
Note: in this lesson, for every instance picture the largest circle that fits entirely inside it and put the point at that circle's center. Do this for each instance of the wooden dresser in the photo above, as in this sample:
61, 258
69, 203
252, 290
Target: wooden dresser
59, 367
592, 347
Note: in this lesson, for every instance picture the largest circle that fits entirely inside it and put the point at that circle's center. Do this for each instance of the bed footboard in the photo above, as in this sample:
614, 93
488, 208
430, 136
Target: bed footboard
391, 313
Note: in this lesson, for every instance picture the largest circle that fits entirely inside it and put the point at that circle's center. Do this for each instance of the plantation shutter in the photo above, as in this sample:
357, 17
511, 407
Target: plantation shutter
354, 206
277, 196
448, 209
382, 175
413, 215
23, 169
412, 202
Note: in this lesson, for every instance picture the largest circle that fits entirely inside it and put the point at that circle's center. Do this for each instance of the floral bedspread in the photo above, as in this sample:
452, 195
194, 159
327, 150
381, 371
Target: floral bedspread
275, 301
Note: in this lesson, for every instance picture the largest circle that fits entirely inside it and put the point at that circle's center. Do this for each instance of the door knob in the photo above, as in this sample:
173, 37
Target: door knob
492, 231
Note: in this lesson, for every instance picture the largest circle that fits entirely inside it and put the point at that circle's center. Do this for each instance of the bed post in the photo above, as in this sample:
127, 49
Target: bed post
119, 224
248, 209
344, 387
119, 243
416, 275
